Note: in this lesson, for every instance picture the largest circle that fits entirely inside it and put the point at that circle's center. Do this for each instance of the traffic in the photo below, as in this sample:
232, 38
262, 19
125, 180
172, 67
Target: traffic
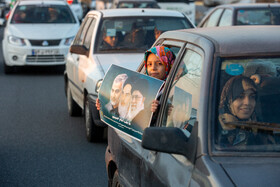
165, 94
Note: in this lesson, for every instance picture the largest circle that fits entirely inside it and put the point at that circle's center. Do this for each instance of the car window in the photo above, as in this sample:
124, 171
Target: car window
88, 37
134, 34
82, 32
248, 112
258, 16
183, 99
26, 14
137, 5
213, 19
226, 19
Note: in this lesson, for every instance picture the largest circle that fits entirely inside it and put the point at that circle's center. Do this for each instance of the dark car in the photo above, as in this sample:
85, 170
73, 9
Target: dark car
242, 14
223, 128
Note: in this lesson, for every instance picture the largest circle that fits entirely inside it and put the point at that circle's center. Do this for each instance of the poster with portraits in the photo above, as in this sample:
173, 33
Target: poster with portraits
125, 97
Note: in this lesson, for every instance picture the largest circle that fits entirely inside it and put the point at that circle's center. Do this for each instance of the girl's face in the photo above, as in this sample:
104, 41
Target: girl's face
155, 67
244, 105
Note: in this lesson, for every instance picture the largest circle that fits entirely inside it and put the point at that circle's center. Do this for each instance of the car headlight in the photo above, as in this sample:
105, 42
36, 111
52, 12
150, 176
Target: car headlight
16, 41
68, 41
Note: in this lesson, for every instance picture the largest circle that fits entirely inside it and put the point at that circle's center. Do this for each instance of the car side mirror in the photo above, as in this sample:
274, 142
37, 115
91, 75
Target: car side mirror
165, 139
79, 49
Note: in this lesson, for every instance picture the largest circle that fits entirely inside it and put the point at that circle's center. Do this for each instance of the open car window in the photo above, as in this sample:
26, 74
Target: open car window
248, 110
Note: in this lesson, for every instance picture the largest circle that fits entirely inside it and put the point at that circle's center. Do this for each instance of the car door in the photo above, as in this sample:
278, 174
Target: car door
84, 37
130, 151
180, 105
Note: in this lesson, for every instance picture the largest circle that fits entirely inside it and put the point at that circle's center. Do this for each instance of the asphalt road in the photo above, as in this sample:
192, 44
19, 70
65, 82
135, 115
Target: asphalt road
40, 145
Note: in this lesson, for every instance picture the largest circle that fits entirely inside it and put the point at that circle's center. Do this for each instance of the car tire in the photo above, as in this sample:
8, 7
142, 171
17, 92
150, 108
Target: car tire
93, 132
116, 182
8, 69
73, 108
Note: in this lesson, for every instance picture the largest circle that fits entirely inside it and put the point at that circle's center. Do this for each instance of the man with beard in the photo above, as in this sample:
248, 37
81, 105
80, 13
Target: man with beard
115, 94
138, 115
125, 99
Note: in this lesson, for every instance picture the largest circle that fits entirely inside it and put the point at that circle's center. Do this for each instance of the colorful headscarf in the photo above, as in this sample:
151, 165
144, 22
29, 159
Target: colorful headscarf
165, 55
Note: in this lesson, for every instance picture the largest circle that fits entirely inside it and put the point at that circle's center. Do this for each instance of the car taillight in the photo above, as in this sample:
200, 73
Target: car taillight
70, 2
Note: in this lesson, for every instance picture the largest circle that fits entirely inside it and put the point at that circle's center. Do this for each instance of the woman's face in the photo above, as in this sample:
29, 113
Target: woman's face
155, 67
244, 105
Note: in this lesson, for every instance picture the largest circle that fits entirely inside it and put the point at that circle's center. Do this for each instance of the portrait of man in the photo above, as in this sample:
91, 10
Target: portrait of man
125, 99
137, 113
115, 94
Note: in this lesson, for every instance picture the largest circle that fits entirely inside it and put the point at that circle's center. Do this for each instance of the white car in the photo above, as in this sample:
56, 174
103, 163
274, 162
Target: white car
38, 33
77, 8
90, 56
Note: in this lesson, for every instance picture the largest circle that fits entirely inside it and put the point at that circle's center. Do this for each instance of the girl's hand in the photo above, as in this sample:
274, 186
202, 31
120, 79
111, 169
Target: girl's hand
154, 105
97, 104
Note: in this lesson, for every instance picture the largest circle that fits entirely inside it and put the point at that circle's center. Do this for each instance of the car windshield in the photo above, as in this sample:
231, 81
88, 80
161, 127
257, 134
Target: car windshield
138, 5
258, 16
26, 14
248, 110
134, 34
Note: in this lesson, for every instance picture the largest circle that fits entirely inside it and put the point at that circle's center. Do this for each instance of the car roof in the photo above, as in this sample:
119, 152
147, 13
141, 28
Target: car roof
119, 12
233, 40
56, 2
249, 5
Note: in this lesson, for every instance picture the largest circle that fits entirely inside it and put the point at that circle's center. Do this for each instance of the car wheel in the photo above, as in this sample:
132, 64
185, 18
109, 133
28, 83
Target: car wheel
93, 132
73, 108
116, 182
8, 69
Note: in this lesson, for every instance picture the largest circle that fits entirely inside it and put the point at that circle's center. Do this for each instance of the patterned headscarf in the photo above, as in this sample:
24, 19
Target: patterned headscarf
165, 55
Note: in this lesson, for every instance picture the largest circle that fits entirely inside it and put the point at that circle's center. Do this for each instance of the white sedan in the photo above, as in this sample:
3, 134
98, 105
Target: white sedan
38, 33
114, 36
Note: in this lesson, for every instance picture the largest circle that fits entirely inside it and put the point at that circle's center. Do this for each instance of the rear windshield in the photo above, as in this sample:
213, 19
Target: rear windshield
135, 34
138, 5
27, 14
248, 110
258, 16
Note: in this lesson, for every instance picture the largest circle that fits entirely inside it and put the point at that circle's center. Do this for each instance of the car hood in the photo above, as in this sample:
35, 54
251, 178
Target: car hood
257, 172
43, 31
127, 60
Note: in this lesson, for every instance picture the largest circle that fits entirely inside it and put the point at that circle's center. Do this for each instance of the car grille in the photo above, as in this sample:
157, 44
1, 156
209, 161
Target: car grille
44, 42
45, 58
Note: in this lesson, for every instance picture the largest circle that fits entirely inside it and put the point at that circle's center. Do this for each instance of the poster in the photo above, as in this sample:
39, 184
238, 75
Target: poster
125, 98
181, 111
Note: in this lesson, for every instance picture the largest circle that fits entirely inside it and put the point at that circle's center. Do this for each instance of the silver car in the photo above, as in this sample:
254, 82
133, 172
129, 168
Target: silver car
218, 123
115, 36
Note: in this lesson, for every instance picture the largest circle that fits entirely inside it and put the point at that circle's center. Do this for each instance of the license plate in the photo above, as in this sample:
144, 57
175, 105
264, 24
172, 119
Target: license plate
45, 51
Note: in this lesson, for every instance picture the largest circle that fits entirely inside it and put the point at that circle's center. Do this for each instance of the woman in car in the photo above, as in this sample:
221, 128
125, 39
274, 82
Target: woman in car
238, 101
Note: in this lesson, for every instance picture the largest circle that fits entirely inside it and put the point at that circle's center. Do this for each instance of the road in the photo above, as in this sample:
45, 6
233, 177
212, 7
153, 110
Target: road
40, 145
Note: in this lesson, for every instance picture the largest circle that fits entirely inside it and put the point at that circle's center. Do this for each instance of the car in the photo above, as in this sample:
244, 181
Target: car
38, 33
242, 14
218, 124
134, 4
77, 8
95, 48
